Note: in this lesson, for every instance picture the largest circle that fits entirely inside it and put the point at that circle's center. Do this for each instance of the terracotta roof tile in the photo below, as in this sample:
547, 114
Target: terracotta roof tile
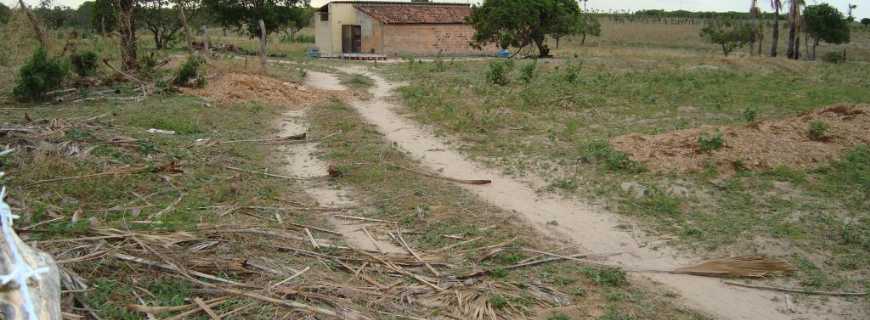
405, 13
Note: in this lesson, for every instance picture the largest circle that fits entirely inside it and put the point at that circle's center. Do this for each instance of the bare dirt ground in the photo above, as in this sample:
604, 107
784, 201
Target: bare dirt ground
302, 162
593, 228
231, 87
758, 145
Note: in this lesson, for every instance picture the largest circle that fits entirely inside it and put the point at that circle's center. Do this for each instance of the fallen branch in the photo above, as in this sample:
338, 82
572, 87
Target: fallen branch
202, 305
298, 137
158, 265
435, 176
142, 84
161, 309
109, 173
522, 265
266, 174
361, 218
801, 291
405, 244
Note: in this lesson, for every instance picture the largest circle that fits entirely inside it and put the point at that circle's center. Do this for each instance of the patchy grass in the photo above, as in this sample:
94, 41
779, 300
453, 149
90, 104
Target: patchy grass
356, 81
183, 190
432, 212
557, 125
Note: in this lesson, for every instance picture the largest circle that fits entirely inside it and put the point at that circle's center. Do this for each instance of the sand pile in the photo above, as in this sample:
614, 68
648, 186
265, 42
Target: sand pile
756, 146
231, 88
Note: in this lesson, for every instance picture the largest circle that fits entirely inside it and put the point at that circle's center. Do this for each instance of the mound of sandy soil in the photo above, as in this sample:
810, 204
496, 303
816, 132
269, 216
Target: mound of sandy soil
757, 146
231, 88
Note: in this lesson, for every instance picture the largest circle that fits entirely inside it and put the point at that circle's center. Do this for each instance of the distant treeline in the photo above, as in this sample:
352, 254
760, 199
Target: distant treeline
677, 16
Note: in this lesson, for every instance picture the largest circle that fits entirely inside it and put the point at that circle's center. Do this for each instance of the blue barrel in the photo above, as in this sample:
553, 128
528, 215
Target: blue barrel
503, 53
314, 52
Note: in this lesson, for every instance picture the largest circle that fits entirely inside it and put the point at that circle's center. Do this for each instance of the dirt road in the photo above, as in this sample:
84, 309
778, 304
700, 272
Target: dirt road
593, 228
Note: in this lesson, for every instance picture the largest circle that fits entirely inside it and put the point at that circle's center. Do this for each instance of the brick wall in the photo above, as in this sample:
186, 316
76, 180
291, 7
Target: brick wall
429, 40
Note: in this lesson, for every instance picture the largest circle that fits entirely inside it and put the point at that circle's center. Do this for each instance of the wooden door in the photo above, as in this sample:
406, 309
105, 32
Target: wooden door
351, 39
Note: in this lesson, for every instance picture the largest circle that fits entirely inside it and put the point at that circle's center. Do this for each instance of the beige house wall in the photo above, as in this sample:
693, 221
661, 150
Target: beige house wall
328, 33
393, 39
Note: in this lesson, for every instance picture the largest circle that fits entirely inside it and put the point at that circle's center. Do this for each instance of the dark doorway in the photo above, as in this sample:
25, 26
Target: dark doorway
351, 39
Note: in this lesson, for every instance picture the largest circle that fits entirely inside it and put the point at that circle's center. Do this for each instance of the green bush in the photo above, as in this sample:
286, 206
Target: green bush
84, 64
834, 57
527, 72
750, 114
572, 72
614, 160
39, 75
189, 74
712, 142
818, 130
299, 38
498, 72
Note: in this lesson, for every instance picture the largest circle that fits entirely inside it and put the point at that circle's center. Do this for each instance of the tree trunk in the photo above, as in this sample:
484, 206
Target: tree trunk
543, 50
815, 44
158, 39
40, 35
807, 44
583, 39
127, 29
205, 47
187, 34
773, 47
792, 29
263, 45
797, 47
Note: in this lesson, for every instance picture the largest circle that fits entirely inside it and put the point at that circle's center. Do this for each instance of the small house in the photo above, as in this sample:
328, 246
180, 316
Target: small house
347, 28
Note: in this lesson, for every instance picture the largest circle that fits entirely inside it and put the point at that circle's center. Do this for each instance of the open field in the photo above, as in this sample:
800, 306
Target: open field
561, 123
150, 200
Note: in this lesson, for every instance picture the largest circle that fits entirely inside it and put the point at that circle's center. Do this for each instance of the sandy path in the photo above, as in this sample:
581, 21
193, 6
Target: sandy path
302, 162
592, 228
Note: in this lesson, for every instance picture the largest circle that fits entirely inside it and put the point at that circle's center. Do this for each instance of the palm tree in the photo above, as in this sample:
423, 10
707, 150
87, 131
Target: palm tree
777, 6
794, 20
757, 33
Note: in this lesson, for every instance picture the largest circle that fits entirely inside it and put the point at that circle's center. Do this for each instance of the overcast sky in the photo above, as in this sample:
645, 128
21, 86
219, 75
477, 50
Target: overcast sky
863, 10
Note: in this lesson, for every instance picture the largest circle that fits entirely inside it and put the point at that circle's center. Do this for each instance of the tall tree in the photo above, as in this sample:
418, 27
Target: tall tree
826, 23
127, 29
520, 23
758, 33
244, 15
794, 28
104, 19
5, 13
158, 17
777, 7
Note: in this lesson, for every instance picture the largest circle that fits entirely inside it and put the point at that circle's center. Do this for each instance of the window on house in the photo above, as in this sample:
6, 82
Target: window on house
324, 15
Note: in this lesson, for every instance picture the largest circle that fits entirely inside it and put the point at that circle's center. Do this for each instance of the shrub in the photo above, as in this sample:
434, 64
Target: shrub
610, 277
614, 160
572, 72
439, 65
148, 64
712, 142
834, 57
498, 72
84, 64
190, 74
729, 34
299, 38
750, 114
818, 130
39, 75
527, 72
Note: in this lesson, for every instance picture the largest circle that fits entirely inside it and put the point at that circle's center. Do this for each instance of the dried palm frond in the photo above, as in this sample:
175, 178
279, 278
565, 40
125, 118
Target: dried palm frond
738, 267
